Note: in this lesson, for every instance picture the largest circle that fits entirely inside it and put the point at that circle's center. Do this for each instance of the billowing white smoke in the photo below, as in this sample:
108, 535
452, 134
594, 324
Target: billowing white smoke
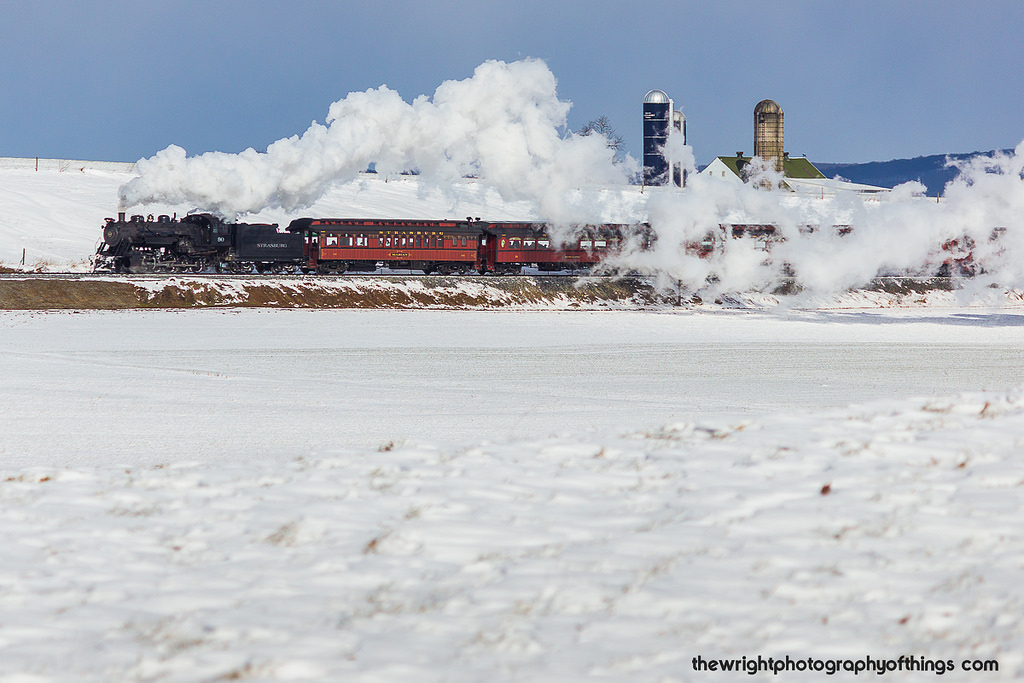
832, 244
504, 123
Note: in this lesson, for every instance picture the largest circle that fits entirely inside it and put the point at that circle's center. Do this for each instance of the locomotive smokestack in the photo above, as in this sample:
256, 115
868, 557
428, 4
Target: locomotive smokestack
120, 216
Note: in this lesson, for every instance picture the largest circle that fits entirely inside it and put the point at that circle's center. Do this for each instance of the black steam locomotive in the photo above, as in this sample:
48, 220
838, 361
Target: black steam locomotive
196, 243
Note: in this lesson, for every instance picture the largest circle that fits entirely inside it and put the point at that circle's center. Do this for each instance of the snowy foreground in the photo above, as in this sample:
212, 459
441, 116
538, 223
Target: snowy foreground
484, 496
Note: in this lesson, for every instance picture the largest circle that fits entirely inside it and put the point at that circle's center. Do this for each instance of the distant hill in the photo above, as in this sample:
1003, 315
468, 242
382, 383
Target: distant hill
930, 170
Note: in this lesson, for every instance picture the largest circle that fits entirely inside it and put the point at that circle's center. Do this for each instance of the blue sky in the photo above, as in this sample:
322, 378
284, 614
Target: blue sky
858, 81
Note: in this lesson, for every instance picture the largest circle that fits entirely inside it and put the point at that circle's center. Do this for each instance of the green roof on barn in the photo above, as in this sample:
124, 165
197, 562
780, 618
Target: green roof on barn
792, 167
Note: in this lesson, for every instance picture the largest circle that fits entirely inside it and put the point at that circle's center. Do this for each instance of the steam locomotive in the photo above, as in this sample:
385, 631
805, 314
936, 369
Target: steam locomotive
195, 243
203, 242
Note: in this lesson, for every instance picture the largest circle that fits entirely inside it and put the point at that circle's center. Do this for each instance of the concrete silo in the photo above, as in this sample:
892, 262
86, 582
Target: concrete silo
768, 133
679, 123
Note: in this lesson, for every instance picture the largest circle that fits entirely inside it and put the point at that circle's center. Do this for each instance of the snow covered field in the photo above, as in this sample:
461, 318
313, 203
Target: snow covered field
141, 388
476, 496
210, 495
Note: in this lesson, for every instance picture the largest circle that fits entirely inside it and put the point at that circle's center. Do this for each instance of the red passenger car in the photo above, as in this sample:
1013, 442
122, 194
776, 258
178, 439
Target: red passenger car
510, 246
337, 245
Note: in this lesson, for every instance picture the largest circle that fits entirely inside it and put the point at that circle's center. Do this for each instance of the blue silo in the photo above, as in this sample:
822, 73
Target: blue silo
657, 115
660, 117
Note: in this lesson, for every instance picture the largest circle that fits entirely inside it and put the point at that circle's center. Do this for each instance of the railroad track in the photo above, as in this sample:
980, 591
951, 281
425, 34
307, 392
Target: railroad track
910, 282
284, 276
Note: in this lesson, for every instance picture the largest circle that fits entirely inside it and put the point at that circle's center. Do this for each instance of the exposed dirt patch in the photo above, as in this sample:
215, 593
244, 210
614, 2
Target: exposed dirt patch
351, 292
33, 294
902, 285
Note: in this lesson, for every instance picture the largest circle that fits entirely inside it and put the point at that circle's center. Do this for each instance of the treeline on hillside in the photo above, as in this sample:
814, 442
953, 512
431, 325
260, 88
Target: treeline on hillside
932, 170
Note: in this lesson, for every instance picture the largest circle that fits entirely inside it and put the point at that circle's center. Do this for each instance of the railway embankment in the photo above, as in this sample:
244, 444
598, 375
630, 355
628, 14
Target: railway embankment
108, 293
34, 291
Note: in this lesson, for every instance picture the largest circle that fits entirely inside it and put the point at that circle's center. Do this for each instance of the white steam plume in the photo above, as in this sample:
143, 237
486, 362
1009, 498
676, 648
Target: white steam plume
506, 124
898, 233
503, 123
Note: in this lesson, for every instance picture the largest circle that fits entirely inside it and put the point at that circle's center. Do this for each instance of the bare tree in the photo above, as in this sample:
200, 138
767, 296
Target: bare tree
603, 127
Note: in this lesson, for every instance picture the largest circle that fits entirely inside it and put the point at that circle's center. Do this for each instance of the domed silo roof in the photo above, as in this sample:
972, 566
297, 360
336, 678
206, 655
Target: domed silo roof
656, 97
767, 107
